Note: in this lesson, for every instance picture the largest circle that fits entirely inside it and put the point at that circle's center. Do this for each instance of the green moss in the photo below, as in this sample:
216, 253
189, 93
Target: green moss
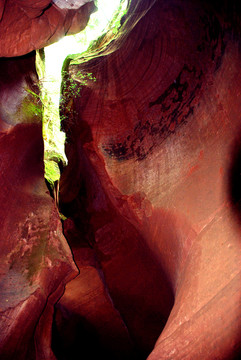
54, 139
52, 172
30, 109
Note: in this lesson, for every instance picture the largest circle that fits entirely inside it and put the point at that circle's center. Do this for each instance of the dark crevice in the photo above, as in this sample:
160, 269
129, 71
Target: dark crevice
234, 182
89, 211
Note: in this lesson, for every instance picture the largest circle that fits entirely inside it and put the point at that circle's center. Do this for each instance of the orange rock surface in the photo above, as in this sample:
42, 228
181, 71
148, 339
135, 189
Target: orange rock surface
147, 264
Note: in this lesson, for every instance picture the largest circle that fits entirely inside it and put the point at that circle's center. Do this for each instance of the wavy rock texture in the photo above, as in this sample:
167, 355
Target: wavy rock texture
30, 25
35, 260
151, 192
153, 147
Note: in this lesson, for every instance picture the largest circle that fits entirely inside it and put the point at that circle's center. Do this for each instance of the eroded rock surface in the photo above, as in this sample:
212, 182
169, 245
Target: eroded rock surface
30, 25
151, 192
151, 146
35, 260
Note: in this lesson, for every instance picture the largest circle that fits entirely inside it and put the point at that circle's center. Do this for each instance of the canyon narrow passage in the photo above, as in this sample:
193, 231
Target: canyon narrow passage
128, 245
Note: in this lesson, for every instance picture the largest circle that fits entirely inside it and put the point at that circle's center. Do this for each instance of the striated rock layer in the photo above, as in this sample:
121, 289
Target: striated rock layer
152, 182
29, 25
35, 260
151, 192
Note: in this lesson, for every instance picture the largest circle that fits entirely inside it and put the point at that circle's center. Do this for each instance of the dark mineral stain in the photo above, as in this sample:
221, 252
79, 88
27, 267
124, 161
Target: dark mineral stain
176, 103
175, 107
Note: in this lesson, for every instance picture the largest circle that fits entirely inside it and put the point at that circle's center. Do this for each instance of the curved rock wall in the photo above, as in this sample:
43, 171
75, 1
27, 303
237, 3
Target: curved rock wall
151, 192
30, 25
35, 260
151, 148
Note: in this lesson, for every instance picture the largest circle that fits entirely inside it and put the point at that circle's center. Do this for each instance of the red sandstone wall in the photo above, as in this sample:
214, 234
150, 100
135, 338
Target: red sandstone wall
151, 191
29, 25
153, 139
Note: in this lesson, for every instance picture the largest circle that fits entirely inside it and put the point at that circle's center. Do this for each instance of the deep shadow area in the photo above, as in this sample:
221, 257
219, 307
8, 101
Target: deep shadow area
235, 178
75, 338
137, 286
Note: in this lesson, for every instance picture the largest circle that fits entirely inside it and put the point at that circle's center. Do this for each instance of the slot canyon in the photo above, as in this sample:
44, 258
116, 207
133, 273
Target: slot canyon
135, 253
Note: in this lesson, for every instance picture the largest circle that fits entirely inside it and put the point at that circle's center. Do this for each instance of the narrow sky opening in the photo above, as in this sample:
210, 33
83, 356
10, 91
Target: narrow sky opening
50, 79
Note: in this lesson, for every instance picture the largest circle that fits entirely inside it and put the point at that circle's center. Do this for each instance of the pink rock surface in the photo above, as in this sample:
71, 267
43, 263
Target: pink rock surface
151, 192
154, 140
35, 260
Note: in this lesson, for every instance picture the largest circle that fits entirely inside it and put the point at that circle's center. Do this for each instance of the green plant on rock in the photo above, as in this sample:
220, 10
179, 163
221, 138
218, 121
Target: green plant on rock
70, 88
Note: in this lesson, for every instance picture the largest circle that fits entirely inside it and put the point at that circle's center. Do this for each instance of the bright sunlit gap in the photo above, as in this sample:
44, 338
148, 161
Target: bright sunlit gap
50, 79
